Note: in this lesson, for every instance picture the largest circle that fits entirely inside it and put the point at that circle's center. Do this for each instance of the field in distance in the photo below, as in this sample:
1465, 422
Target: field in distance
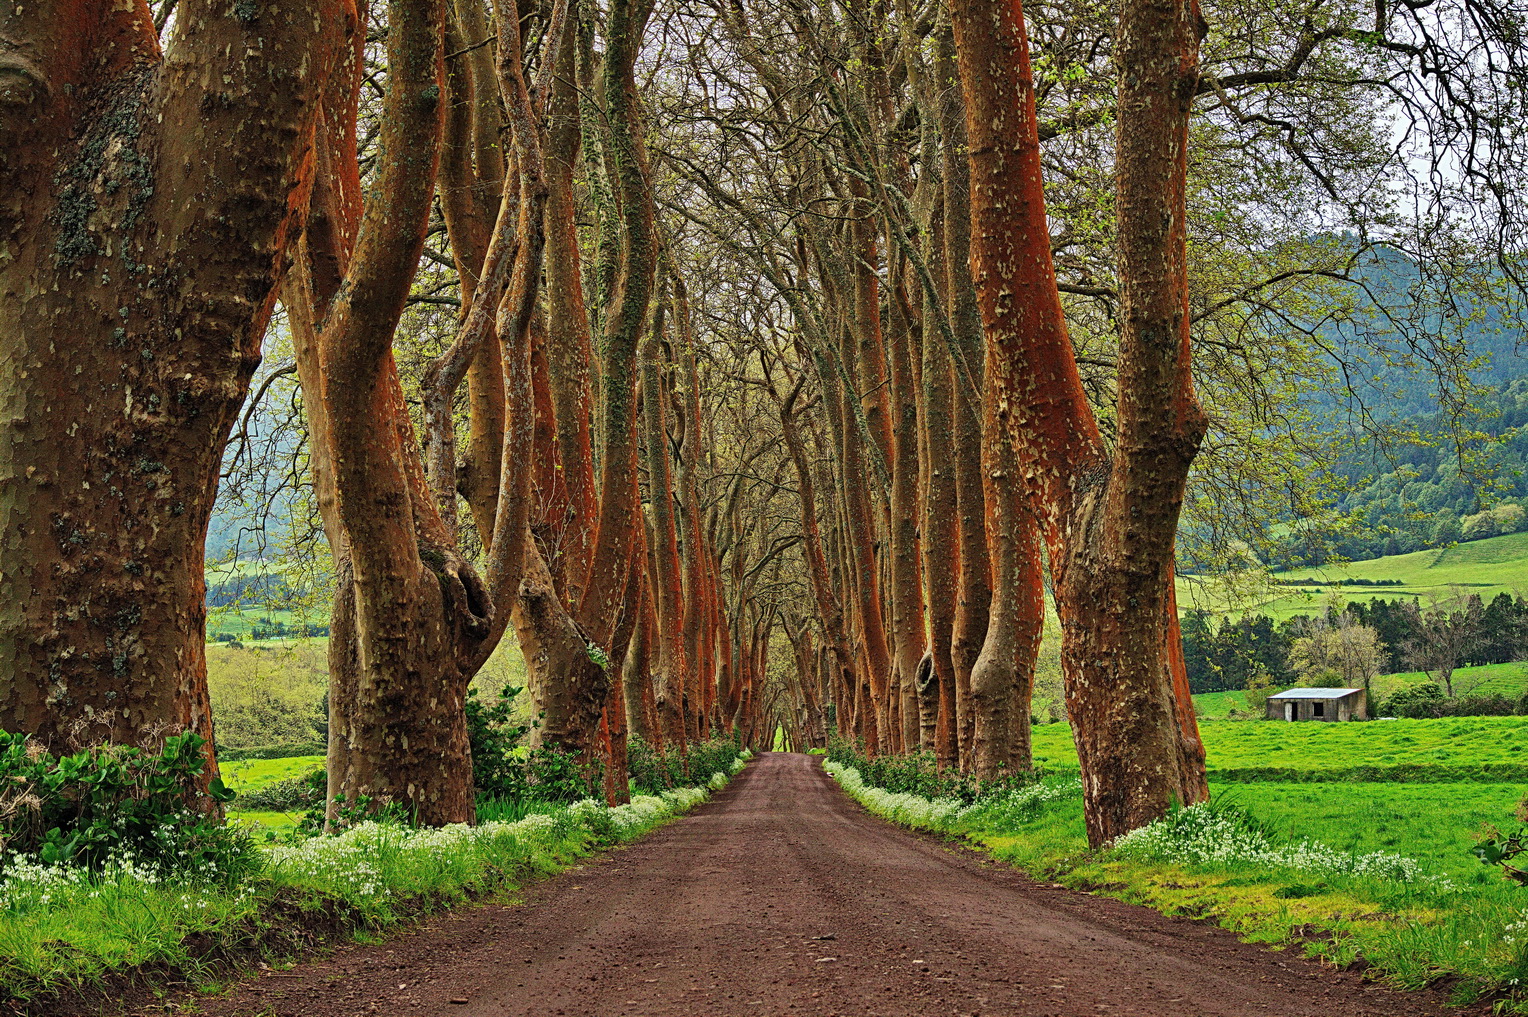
1450, 742
1483, 567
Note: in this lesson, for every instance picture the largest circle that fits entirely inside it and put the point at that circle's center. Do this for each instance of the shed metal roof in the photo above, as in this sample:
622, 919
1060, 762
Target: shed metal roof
1315, 693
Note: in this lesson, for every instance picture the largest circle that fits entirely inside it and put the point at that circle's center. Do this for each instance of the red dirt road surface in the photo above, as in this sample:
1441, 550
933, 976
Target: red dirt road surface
782, 896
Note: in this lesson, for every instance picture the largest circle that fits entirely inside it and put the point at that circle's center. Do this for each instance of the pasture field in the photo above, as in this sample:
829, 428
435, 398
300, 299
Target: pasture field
1484, 567
1444, 742
260, 821
252, 774
1437, 824
1509, 680
241, 623
1218, 705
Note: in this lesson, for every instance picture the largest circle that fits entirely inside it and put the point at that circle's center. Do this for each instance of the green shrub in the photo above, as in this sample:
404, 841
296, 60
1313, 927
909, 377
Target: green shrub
918, 774
503, 771
293, 794
116, 803
652, 773
1426, 699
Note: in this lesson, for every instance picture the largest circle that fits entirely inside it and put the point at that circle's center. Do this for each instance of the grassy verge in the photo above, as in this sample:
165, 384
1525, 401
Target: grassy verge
1350, 873
63, 930
1476, 743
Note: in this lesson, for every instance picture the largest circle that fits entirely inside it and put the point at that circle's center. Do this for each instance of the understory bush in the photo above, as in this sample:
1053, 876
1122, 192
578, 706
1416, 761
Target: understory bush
918, 773
997, 802
67, 926
651, 771
1427, 699
116, 805
292, 794
503, 770
228, 754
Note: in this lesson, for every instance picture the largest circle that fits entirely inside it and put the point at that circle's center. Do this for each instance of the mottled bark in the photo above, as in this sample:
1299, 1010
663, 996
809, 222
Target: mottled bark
149, 201
568, 339
1109, 522
624, 322
906, 588
830, 611
973, 598
939, 500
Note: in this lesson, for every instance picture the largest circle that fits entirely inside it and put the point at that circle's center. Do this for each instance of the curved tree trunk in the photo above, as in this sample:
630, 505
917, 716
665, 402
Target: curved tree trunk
1109, 522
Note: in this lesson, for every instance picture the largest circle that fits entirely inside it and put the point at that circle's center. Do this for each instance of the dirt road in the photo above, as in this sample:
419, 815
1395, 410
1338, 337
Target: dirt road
782, 896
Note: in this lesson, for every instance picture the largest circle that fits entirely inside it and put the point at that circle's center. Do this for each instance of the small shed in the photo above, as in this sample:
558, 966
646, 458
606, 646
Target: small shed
1318, 704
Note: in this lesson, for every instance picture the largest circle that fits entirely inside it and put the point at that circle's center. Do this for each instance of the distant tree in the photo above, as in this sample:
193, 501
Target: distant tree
1446, 529
1509, 518
1445, 634
1198, 644
1478, 526
1259, 688
1394, 620
1503, 629
1339, 648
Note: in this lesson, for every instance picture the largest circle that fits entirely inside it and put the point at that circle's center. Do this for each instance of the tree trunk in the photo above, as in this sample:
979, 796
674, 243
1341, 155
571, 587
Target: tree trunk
149, 203
1109, 523
973, 600
671, 670
906, 583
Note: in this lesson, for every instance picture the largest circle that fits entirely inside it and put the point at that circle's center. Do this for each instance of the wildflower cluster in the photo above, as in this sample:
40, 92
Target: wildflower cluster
999, 802
898, 806
1000, 809
30, 886
1222, 835
115, 804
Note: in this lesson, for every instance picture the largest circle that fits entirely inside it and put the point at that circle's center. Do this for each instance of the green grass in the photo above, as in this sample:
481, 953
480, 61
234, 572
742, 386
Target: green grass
1448, 741
258, 821
1452, 920
1218, 705
252, 774
1483, 679
1436, 824
1484, 567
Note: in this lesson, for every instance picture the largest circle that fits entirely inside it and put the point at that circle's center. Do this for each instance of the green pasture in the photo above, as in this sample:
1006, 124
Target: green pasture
260, 821
1484, 567
1448, 741
1509, 680
240, 623
251, 774
1218, 705
1437, 824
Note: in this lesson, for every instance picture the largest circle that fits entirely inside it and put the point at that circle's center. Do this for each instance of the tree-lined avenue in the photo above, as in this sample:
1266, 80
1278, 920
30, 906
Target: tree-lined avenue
783, 896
